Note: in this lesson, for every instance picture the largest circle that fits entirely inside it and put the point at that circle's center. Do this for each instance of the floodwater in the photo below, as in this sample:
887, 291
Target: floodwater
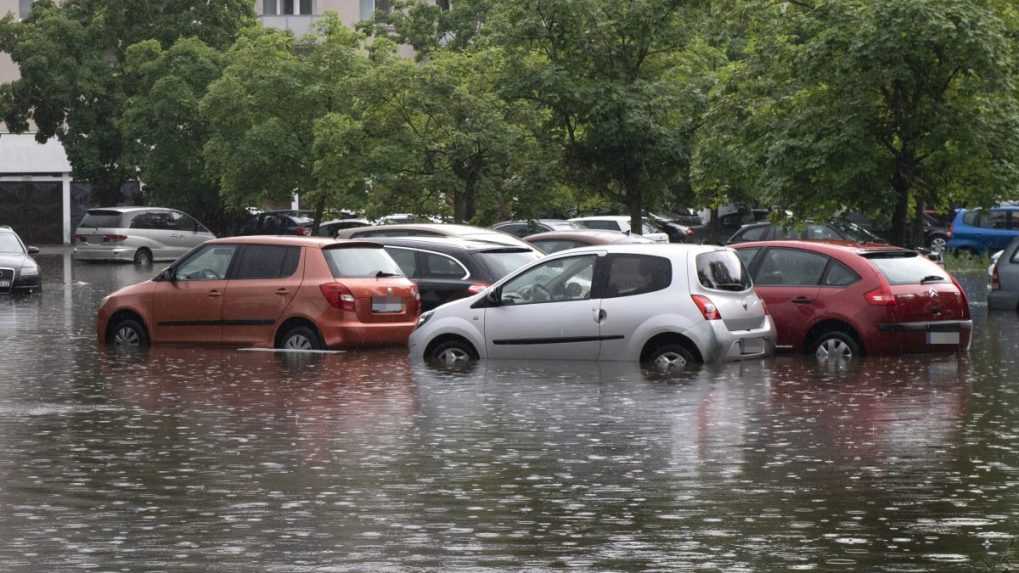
189, 459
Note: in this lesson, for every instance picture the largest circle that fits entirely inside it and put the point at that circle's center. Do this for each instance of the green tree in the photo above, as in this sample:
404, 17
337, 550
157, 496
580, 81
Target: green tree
73, 84
264, 110
880, 106
428, 27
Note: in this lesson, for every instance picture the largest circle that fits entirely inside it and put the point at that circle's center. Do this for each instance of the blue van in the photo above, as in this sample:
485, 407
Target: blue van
980, 231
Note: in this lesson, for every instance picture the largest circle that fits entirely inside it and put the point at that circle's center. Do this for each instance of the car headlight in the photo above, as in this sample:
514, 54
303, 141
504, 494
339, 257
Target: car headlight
425, 318
32, 271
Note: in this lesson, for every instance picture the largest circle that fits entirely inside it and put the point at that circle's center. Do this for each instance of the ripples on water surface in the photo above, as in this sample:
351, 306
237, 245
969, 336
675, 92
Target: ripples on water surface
195, 459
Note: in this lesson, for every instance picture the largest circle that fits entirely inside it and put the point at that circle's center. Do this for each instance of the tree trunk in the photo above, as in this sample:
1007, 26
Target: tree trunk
635, 202
459, 207
918, 238
901, 213
320, 207
715, 227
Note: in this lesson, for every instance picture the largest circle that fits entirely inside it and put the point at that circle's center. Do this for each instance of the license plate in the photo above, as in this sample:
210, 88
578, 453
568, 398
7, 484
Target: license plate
751, 346
942, 338
5, 284
387, 304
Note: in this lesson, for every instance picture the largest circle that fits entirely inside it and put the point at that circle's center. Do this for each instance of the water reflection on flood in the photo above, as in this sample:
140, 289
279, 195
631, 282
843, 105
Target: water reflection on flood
211, 459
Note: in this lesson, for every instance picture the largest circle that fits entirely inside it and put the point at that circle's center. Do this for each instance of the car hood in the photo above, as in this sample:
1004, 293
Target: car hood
13, 260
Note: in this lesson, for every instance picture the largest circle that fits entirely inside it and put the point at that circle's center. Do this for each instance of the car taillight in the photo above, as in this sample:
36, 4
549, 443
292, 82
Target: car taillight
689, 232
708, 309
995, 280
114, 238
338, 296
880, 297
303, 231
475, 288
948, 231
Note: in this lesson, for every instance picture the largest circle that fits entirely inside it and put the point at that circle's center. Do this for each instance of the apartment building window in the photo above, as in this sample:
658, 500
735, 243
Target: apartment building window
287, 7
24, 8
369, 8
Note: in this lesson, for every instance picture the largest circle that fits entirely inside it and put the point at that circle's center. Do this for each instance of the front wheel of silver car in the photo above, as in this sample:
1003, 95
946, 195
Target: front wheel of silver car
452, 353
835, 346
670, 358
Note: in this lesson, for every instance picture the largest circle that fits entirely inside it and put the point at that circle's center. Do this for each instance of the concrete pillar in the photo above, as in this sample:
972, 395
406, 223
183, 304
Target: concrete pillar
295, 202
66, 196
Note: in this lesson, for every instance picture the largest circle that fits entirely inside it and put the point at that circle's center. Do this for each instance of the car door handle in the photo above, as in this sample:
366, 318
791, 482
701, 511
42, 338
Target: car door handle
215, 293
282, 291
600, 315
802, 300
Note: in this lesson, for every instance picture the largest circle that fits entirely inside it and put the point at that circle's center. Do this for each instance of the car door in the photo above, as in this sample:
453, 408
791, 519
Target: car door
189, 233
630, 296
788, 280
148, 229
188, 308
440, 279
546, 312
261, 285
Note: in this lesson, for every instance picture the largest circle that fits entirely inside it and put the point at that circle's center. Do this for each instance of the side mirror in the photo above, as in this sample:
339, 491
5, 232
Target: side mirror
168, 275
33, 250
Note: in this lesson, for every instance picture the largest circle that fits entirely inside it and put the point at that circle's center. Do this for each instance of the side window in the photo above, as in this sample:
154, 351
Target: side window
184, 222
747, 255
630, 275
209, 264
840, 275
406, 259
555, 281
822, 233
754, 234
143, 221
785, 234
974, 218
790, 267
603, 225
266, 262
442, 267
998, 220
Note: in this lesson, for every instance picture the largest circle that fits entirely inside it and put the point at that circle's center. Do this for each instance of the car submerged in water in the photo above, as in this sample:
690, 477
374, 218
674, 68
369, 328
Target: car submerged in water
665, 306
19, 273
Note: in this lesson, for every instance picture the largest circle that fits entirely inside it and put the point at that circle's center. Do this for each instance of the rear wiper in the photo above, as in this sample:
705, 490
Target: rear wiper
384, 274
931, 279
731, 286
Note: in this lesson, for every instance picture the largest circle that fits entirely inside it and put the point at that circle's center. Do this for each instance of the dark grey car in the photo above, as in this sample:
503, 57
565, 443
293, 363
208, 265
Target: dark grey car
1004, 293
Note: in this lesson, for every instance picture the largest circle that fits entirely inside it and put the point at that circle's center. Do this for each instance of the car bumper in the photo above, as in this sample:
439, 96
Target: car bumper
103, 254
719, 344
1003, 300
360, 334
924, 336
22, 284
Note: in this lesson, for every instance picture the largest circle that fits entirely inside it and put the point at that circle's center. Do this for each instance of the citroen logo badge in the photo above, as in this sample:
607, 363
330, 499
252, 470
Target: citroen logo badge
933, 292
744, 305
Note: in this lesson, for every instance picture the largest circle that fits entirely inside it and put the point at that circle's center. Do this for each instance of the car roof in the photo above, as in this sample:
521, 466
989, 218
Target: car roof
444, 243
600, 237
603, 218
448, 229
128, 209
660, 249
525, 221
291, 240
828, 247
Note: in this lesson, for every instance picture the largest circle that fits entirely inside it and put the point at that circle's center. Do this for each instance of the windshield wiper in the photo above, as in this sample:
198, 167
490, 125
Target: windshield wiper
931, 279
384, 275
731, 286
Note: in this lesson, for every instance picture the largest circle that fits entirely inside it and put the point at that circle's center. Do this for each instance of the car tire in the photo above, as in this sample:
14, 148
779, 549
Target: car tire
670, 358
835, 345
938, 243
452, 353
300, 337
127, 334
143, 257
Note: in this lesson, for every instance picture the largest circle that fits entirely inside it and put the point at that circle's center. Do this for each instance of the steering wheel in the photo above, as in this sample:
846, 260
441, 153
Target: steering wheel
538, 293
574, 290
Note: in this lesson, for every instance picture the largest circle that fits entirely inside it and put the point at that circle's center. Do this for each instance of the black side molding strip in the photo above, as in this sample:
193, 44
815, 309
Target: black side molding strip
248, 322
561, 340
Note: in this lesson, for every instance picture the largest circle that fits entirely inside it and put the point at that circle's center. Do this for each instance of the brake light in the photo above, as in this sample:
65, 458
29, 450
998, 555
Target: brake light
475, 288
114, 238
303, 231
880, 297
689, 232
948, 231
338, 296
708, 309
995, 280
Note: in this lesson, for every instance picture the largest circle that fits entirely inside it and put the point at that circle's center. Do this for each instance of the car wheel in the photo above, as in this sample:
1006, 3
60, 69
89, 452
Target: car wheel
300, 338
835, 345
452, 353
128, 334
143, 257
670, 358
938, 244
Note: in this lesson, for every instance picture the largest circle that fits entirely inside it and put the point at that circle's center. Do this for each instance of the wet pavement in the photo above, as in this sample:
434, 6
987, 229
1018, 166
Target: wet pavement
189, 459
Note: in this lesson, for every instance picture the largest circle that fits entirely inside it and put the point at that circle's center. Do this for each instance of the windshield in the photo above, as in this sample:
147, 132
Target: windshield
722, 270
907, 268
358, 262
503, 262
102, 219
10, 244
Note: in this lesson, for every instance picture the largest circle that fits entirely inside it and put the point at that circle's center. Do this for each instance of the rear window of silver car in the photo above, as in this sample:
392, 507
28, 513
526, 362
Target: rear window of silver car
361, 262
103, 219
722, 270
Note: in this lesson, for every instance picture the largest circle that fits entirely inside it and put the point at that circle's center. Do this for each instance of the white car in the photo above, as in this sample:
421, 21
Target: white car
621, 223
662, 305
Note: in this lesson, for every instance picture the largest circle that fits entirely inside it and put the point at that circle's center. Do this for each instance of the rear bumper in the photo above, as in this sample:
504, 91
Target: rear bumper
361, 334
927, 326
925, 336
93, 253
719, 344
1003, 300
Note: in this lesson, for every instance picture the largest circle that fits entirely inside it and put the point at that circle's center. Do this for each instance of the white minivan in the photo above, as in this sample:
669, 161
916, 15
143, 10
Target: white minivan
662, 305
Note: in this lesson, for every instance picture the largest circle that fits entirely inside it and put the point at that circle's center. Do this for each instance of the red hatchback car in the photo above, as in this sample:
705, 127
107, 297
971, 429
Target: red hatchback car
843, 300
285, 292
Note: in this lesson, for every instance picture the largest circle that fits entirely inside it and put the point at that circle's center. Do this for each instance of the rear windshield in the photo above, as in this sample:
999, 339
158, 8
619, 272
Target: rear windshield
722, 270
504, 261
361, 262
907, 268
102, 219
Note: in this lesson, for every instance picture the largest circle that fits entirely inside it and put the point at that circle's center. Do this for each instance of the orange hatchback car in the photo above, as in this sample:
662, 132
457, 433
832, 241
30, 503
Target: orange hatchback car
293, 293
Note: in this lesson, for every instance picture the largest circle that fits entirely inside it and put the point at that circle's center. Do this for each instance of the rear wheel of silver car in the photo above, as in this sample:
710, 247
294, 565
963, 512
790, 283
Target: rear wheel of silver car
143, 257
670, 358
835, 346
452, 353
300, 338
128, 334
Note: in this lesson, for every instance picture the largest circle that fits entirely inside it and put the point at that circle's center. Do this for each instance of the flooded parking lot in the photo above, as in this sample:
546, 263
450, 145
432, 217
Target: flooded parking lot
205, 459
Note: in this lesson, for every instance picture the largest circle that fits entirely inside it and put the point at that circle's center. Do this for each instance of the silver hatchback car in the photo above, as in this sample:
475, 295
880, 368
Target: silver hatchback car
138, 234
663, 305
